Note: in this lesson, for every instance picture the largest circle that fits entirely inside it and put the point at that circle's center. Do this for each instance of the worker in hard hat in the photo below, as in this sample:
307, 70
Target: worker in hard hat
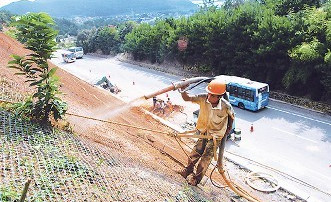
215, 119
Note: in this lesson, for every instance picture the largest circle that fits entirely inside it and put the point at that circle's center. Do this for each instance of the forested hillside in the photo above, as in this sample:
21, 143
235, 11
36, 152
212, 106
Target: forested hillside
284, 43
5, 18
92, 8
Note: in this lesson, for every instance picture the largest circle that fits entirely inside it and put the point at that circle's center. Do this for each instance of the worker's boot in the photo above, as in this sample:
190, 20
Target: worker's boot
192, 180
185, 171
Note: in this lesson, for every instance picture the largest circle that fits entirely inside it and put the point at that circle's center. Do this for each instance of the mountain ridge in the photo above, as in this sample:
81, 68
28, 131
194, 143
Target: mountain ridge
96, 8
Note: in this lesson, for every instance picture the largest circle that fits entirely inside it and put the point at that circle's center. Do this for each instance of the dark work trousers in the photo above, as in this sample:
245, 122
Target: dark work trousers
203, 151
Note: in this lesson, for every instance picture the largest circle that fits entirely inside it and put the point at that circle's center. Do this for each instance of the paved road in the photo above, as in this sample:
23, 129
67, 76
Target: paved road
293, 140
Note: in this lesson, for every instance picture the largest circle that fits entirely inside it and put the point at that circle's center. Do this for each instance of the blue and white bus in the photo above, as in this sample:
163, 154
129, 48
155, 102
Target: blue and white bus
246, 94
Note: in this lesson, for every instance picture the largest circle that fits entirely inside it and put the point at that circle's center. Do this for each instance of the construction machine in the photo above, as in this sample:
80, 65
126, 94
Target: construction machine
106, 84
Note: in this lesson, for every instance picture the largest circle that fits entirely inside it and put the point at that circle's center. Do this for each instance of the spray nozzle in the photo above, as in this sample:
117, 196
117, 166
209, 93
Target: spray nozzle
190, 87
180, 84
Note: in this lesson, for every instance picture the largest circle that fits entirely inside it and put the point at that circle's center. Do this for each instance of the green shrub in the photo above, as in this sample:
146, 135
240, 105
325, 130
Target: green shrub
35, 31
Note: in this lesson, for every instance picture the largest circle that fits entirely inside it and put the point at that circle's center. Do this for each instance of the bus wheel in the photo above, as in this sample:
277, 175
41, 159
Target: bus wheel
241, 105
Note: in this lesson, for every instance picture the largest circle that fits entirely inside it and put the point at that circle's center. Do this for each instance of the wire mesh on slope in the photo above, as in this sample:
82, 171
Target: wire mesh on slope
64, 167
11, 91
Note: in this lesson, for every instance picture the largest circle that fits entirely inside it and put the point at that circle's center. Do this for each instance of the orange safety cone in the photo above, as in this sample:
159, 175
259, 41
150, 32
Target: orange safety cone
252, 128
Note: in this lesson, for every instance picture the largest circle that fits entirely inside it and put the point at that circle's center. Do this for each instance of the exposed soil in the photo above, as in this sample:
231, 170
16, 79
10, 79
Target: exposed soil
156, 151
149, 148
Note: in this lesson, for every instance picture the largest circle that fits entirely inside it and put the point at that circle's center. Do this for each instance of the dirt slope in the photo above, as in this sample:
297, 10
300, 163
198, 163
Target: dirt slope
148, 148
151, 150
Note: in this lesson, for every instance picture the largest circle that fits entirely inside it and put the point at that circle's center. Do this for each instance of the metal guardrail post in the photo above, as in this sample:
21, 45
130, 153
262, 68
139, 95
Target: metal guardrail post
25, 190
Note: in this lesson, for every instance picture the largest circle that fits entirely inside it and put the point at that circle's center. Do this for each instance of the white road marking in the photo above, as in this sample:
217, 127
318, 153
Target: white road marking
295, 135
318, 173
300, 116
313, 148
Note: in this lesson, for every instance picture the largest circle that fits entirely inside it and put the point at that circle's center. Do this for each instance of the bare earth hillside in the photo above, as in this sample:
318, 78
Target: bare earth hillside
151, 157
137, 146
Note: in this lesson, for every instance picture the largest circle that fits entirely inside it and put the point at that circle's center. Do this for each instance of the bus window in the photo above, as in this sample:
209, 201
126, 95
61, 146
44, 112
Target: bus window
240, 93
231, 89
246, 94
250, 95
235, 91
228, 87
263, 89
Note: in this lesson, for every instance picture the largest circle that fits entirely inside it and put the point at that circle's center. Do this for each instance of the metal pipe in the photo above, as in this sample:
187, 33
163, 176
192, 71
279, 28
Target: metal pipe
164, 90
175, 86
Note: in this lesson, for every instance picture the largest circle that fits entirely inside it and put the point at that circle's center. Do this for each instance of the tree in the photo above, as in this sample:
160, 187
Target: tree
125, 28
5, 17
214, 42
35, 31
230, 4
309, 55
196, 30
138, 42
326, 74
284, 7
84, 39
107, 40
273, 38
242, 23
65, 26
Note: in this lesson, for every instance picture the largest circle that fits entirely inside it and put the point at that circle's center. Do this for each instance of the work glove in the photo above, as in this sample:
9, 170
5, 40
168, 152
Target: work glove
184, 87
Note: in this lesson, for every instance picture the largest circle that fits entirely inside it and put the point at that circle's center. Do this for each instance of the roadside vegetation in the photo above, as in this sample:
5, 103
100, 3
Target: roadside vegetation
283, 43
287, 46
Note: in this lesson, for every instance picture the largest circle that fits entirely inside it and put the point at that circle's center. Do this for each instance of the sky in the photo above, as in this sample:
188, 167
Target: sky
5, 2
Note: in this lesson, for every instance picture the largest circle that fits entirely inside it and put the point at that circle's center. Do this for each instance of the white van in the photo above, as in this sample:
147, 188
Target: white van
79, 52
68, 56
